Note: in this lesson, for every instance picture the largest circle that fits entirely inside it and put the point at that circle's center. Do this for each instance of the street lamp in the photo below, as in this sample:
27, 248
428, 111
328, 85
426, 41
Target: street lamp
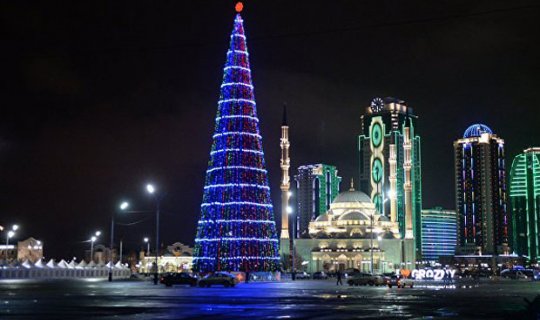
123, 206
152, 191
92, 240
147, 241
291, 240
92, 247
10, 234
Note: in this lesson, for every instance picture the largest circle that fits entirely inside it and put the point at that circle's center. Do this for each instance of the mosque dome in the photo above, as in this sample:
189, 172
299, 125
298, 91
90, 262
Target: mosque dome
354, 215
352, 196
476, 130
349, 217
323, 217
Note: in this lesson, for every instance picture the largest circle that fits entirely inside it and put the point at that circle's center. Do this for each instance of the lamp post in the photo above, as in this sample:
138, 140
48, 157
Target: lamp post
10, 234
123, 206
92, 240
152, 190
92, 247
291, 240
147, 241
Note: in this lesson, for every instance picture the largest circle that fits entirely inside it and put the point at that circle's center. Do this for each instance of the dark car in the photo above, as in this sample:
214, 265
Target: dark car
363, 279
220, 278
320, 276
178, 278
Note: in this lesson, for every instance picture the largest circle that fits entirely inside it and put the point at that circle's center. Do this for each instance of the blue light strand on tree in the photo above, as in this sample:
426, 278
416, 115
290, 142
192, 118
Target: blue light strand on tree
236, 230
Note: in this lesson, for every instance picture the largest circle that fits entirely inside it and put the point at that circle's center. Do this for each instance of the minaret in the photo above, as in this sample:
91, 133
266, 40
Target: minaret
285, 186
393, 182
407, 186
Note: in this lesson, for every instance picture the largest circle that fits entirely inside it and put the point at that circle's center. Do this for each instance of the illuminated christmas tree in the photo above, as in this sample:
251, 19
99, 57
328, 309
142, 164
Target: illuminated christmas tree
236, 230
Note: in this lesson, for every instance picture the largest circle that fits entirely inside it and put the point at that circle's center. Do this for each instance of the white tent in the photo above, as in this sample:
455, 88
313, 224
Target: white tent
51, 263
109, 264
81, 265
118, 265
62, 264
92, 264
27, 264
72, 265
39, 264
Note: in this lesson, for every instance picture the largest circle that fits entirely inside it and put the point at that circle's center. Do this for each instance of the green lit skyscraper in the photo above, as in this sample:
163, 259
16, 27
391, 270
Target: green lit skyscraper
390, 164
525, 203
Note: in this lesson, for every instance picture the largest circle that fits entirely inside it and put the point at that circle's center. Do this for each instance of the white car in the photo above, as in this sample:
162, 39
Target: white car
399, 282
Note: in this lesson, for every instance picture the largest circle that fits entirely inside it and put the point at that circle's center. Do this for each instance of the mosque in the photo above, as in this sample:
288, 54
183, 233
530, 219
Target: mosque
349, 235
352, 233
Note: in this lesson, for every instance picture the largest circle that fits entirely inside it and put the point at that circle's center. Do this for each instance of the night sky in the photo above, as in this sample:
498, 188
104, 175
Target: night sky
98, 98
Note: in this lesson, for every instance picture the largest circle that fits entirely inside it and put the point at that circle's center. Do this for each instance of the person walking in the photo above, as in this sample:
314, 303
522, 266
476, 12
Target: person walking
338, 275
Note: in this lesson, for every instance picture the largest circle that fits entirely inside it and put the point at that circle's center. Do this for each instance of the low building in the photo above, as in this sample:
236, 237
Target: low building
177, 258
29, 249
352, 234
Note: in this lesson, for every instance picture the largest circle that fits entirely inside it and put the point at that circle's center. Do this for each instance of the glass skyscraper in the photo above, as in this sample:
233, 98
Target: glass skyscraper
525, 203
439, 233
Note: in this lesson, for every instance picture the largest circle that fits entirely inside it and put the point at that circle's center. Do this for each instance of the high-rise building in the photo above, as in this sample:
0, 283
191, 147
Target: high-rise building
525, 203
236, 229
316, 187
481, 192
439, 233
390, 164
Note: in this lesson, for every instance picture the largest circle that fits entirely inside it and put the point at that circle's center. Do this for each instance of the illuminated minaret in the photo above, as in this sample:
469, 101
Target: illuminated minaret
393, 183
285, 186
407, 186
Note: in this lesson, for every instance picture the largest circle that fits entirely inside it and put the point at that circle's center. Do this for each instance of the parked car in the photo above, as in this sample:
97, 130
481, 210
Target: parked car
394, 280
363, 279
220, 278
302, 275
320, 276
350, 272
178, 278
523, 274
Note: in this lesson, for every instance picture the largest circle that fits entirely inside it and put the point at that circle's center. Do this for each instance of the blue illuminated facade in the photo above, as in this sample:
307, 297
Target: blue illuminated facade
481, 193
236, 230
439, 233
476, 130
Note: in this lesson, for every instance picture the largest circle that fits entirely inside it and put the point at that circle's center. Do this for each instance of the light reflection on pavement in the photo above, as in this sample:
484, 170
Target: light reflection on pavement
313, 299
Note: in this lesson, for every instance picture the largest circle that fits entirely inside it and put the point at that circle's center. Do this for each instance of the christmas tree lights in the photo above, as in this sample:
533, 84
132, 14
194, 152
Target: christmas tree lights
236, 230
